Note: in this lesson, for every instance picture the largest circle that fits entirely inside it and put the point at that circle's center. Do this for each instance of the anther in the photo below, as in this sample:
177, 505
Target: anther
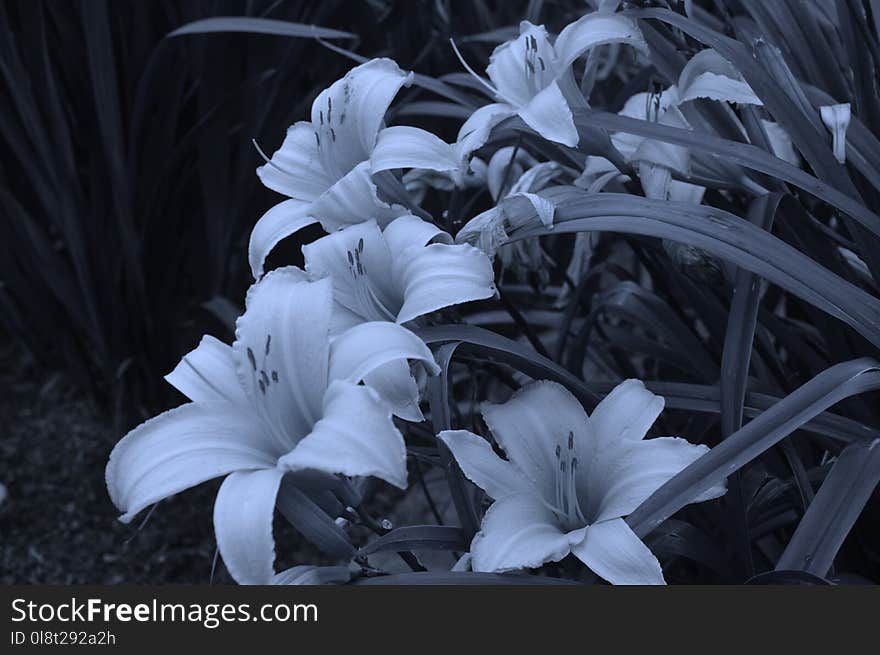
274, 376
265, 378
350, 259
361, 244
268, 342
262, 387
571, 440
253, 360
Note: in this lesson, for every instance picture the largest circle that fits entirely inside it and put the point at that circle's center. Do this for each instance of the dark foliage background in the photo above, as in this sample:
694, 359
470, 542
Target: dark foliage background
127, 184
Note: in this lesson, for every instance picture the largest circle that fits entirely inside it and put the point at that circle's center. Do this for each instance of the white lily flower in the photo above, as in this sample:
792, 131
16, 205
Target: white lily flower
707, 75
836, 119
655, 160
281, 398
406, 271
326, 165
569, 479
528, 75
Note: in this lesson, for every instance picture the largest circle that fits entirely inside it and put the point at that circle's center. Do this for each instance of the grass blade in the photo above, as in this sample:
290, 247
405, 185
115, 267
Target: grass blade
716, 231
253, 25
835, 509
820, 393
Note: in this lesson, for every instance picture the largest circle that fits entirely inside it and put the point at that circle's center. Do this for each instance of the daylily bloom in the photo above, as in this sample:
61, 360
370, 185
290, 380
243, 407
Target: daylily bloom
655, 160
530, 76
569, 479
329, 166
400, 274
706, 76
282, 398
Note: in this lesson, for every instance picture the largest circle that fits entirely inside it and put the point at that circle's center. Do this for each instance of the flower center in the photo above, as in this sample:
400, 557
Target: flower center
567, 505
264, 379
372, 303
535, 67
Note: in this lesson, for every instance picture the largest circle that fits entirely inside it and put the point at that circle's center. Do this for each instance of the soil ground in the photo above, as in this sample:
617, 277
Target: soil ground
57, 524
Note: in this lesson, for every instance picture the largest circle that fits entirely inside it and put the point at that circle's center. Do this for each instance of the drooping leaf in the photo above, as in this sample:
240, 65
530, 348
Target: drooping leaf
708, 228
834, 510
418, 537
820, 393
254, 25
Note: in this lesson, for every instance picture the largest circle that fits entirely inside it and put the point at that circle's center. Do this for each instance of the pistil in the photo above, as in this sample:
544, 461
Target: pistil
567, 503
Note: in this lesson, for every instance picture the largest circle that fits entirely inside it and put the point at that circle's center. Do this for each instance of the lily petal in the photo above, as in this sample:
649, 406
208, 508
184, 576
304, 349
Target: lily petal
721, 88
549, 115
410, 230
183, 447
365, 347
476, 130
243, 515
709, 75
208, 373
497, 477
356, 436
627, 413
519, 531
505, 167
396, 385
530, 434
403, 146
442, 275
349, 113
281, 345
295, 169
595, 29
354, 199
626, 474
686, 192
780, 142
359, 263
614, 552
281, 221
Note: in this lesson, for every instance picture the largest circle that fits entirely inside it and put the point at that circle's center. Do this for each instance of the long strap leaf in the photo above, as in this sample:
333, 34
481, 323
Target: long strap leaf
835, 509
829, 387
718, 232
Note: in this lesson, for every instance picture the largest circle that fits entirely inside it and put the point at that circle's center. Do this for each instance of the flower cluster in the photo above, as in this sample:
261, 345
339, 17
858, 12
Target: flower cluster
325, 382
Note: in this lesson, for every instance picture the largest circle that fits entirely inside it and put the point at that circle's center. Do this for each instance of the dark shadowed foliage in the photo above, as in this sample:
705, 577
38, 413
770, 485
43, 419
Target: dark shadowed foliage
127, 181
